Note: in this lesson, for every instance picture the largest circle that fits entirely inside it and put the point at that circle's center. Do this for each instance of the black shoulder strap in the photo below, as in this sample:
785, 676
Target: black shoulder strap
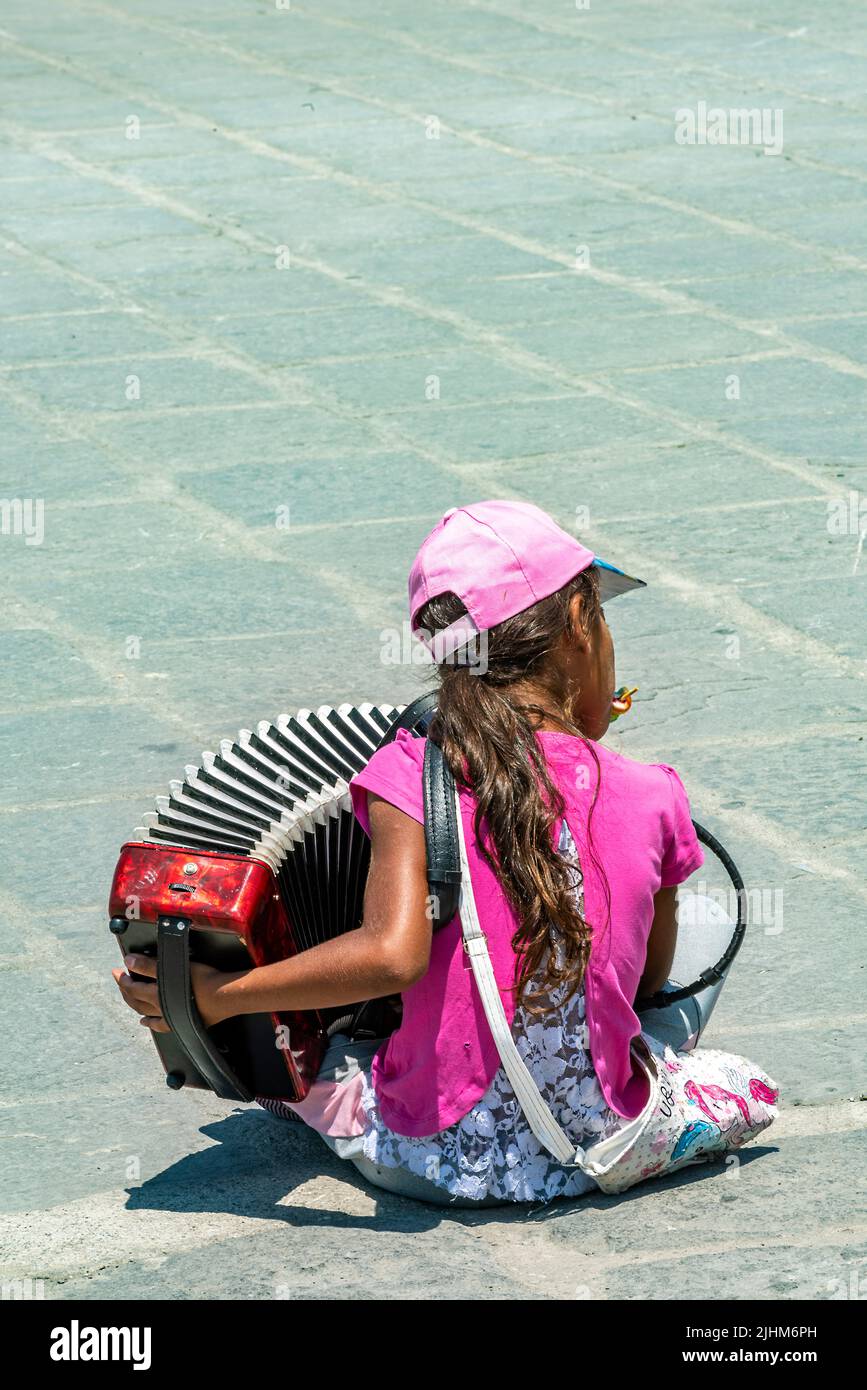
419, 712
441, 836
440, 825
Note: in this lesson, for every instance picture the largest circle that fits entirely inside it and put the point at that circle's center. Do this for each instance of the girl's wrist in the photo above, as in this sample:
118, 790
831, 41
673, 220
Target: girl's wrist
226, 999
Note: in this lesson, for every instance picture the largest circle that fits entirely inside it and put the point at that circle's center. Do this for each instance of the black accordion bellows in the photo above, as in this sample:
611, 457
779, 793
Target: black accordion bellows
281, 789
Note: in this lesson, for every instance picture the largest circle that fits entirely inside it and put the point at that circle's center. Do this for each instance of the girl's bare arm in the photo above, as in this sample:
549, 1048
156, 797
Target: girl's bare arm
661, 943
386, 954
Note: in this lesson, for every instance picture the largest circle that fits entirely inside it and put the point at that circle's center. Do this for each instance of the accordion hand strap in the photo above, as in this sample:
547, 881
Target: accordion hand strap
175, 991
539, 1117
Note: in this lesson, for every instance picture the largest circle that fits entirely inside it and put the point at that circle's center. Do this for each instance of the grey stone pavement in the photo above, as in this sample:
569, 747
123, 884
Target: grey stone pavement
364, 262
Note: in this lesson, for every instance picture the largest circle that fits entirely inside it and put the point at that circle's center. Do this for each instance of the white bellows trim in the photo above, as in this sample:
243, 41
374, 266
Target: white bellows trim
539, 1117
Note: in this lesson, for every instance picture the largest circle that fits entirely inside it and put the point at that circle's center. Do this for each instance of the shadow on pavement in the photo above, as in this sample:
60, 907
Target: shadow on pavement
255, 1165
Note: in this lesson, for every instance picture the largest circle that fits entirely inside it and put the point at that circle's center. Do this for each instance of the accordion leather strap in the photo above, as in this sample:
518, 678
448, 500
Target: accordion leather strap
178, 1007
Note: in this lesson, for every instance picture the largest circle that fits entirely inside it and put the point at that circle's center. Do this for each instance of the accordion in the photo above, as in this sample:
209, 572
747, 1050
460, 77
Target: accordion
254, 856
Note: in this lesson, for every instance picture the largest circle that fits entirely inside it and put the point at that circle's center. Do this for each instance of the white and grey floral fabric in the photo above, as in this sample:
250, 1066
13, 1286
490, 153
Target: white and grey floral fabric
492, 1150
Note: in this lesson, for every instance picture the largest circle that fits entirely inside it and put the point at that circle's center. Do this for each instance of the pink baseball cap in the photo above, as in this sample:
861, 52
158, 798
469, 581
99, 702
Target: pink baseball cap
499, 558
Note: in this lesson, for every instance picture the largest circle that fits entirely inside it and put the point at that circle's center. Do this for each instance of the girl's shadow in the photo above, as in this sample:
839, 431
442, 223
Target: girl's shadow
256, 1164
258, 1160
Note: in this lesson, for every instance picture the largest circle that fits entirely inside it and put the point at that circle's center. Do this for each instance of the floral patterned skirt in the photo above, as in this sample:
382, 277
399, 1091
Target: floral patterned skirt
718, 1101
710, 1104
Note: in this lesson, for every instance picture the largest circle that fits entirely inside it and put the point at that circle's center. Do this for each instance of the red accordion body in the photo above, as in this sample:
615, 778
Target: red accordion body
236, 920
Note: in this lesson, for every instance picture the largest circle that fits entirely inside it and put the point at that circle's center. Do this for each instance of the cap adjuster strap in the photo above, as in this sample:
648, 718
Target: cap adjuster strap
447, 640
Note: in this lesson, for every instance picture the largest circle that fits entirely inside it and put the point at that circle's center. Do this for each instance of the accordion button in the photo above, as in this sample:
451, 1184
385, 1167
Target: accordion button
190, 868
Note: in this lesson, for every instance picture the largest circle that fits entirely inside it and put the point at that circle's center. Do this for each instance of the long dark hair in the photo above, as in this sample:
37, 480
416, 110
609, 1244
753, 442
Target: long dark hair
488, 740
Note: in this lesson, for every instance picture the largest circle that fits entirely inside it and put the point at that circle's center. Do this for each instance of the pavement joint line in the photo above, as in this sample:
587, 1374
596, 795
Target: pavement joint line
74, 802
60, 1096
90, 504
354, 358
309, 528
824, 166
774, 740
733, 359
816, 39
478, 336
100, 359
829, 315
716, 509
75, 131
586, 35
130, 412
62, 314
602, 375
81, 702
199, 40
807, 1023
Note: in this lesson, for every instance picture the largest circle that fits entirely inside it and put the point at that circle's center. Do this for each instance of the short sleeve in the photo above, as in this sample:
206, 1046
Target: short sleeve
394, 773
682, 854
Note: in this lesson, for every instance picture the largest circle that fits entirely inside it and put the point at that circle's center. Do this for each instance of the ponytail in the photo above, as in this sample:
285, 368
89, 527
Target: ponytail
487, 734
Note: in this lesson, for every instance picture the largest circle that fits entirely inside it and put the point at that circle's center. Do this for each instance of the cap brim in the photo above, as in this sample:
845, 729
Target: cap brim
613, 582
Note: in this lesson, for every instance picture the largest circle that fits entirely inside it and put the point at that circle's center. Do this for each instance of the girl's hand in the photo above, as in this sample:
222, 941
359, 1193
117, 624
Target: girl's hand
143, 997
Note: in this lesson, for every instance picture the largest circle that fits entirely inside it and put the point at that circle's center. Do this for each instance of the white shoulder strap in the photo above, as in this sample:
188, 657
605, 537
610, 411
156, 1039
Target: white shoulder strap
539, 1117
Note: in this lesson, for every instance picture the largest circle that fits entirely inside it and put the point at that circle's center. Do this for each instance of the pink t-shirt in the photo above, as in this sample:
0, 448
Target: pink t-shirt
442, 1059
